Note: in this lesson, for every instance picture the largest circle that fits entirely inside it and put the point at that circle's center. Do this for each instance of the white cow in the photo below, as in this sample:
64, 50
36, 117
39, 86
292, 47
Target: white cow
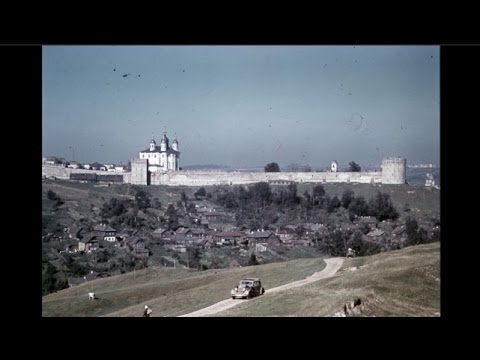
91, 296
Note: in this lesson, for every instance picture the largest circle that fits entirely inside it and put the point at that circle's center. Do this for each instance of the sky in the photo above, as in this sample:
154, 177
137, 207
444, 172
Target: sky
243, 106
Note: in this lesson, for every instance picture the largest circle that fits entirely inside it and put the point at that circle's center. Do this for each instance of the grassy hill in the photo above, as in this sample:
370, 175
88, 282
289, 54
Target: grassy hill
398, 283
170, 292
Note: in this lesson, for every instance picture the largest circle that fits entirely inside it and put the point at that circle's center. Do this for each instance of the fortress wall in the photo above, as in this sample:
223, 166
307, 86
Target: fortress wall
206, 178
64, 173
56, 171
198, 178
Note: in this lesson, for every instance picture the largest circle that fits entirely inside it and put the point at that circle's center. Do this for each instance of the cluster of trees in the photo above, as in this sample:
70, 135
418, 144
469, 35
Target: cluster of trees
125, 211
336, 243
273, 167
258, 205
415, 234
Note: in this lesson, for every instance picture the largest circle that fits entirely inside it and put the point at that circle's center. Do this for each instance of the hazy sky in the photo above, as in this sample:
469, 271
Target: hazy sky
243, 105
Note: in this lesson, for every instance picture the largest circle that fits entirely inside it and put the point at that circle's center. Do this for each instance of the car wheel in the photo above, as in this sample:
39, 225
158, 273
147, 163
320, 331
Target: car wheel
262, 292
233, 297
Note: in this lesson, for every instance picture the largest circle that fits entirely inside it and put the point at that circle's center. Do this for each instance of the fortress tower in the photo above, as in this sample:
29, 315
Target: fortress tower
394, 170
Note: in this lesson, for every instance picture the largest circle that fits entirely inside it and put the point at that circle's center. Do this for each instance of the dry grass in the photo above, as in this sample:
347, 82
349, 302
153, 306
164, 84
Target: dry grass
170, 292
399, 283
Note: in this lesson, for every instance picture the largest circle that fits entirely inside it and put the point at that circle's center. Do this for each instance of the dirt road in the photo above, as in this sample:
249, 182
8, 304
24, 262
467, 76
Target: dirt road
332, 267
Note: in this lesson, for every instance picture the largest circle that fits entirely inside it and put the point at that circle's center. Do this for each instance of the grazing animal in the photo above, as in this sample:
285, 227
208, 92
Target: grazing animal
91, 296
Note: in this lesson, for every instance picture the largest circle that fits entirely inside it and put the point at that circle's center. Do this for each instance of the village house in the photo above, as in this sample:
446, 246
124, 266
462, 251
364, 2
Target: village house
399, 231
228, 237
71, 249
198, 233
399, 235
369, 220
89, 243
376, 235
163, 234
282, 234
260, 247
105, 232
386, 226
263, 237
137, 246
53, 160
183, 231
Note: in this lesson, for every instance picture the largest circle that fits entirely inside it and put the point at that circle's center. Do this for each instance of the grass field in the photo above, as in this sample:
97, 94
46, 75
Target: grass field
170, 292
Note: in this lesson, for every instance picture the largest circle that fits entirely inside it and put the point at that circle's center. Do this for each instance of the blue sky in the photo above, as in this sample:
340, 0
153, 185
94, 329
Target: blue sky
243, 106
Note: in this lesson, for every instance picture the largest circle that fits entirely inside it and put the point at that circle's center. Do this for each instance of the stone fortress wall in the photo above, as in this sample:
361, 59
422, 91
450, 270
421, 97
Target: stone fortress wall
393, 172
60, 172
204, 178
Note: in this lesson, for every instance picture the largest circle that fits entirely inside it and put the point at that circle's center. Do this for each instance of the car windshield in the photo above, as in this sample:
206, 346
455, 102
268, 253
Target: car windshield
246, 283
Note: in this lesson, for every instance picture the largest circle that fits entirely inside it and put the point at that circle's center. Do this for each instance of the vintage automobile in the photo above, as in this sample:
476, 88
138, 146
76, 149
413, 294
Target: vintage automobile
248, 288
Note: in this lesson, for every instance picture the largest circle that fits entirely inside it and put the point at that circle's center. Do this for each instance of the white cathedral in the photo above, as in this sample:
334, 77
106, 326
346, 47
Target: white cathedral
163, 157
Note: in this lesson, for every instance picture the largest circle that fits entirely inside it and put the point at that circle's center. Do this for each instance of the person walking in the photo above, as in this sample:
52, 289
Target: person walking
147, 311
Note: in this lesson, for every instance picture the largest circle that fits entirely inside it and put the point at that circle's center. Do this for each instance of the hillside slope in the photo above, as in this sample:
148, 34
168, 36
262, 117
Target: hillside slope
398, 283
170, 292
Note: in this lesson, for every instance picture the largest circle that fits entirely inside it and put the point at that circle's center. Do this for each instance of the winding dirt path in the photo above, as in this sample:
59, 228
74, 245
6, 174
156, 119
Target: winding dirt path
330, 270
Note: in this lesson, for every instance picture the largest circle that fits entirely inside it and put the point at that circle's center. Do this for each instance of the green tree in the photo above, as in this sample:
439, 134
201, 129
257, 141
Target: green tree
200, 192
172, 216
347, 197
318, 195
358, 206
184, 198
333, 203
272, 167
193, 257
354, 167
142, 200
381, 207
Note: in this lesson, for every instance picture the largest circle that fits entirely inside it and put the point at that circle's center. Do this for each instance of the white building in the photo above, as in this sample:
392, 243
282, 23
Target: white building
163, 157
